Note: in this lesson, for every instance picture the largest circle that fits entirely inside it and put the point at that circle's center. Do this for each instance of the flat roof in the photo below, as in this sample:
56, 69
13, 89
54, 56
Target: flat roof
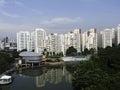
26, 53
5, 77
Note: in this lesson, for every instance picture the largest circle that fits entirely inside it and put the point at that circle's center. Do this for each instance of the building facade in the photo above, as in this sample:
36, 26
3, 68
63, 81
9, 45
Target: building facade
89, 39
52, 43
106, 38
55, 43
23, 40
118, 34
40, 39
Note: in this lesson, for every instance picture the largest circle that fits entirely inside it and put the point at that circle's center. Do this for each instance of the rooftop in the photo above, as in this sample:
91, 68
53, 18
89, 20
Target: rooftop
26, 53
5, 77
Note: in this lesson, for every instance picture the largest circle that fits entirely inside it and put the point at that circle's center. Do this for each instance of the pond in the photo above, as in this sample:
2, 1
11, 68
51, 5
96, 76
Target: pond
43, 78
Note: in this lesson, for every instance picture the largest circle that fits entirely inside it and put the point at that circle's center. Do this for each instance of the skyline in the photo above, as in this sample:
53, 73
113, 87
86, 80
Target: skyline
57, 16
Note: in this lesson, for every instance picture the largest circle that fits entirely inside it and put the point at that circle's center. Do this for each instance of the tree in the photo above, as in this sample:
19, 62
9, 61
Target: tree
101, 72
23, 50
44, 51
53, 53
47, 54
60, 54
86, 51
78, 53
92, 51
71, 51
33, 50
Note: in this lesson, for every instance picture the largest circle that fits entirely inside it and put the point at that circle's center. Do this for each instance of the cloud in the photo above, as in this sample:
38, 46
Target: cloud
14, 27
36, 11
2, 3
62, 22
19, 3
10, 14
10, 30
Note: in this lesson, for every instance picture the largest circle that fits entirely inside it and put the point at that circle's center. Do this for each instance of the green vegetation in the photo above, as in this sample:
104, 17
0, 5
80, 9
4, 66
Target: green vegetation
52, 54
52, 59
7, 58
71, 51
101, 72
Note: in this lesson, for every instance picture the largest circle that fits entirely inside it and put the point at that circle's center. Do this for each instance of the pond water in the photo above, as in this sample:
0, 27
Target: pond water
43, 78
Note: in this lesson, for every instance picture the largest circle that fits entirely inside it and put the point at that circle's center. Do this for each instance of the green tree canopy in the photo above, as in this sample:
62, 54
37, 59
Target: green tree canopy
101, 72
71, 51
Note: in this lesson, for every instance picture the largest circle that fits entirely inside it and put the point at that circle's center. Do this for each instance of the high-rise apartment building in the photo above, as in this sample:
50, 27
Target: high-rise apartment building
77, 39
40, 39
106, 38
73, 38
58, 43
66, 42
61, 44
90, 39
32, 41
118, 34
99, 39
23, 40
52, 43
84, 38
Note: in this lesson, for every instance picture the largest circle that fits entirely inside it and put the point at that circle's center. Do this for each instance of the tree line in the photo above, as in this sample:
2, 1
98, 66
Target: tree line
7, 58
101, 72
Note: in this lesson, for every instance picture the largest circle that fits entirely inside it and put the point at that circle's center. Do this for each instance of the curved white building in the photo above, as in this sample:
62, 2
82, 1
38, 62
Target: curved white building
31, 57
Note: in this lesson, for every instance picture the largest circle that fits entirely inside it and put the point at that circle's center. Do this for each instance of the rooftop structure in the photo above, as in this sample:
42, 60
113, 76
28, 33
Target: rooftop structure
30, 57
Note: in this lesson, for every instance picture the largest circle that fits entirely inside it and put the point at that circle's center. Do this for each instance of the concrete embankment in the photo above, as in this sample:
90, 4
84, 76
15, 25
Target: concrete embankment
53, 63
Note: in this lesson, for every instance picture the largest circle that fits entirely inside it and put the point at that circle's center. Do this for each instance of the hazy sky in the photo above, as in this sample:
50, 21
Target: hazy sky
58, 16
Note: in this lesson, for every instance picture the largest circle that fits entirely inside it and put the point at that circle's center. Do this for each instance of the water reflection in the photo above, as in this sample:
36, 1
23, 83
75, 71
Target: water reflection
5, 87
43, 78
53, 76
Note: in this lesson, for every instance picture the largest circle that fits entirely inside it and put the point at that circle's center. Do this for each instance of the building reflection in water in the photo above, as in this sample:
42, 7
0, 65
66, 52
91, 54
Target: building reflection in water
5, 87
53, 76
39, 77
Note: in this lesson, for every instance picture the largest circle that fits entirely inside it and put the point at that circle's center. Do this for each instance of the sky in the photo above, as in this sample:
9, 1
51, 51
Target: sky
57, 16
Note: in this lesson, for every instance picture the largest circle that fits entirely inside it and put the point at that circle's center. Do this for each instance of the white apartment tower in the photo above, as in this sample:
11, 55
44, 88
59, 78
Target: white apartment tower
32, 41
90, 39
77, 40
99, 39
66, 42
106, 38
70, 38
118, 34
40, 38
74, 39
61, 45
23, 40
52, 43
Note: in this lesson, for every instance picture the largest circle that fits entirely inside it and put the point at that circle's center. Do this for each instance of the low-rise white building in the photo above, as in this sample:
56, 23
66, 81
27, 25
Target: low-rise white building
31, 58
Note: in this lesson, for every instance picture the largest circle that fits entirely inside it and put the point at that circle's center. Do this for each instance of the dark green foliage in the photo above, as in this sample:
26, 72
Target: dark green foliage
8, 57
60, 54
53, 53
92, 51
86, 51
23, 50
101, 72
47, 54
71, 51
